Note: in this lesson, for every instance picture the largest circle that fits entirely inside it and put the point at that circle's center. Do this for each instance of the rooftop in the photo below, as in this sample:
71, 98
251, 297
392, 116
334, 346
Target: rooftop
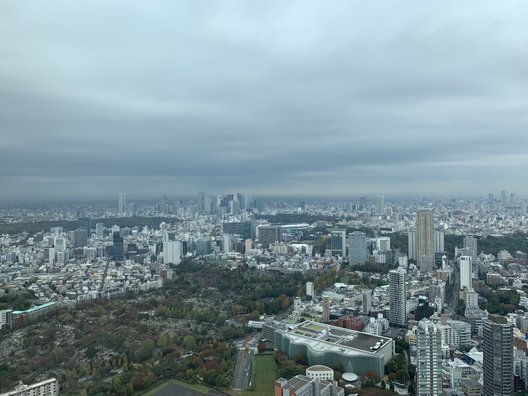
323, 336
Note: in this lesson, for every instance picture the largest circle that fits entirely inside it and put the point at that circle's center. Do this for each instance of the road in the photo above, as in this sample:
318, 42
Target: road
244, 366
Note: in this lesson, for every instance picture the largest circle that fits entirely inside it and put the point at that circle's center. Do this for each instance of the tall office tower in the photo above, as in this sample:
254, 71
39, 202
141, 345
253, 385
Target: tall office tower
121, 203
504, 197
99, 230
512, 198
310, 290
85, 223
80, 238
471, 243
439, 240
242, 228
171, 252
338, 243
411, 246
380, 204
60, 244
326, 309
523, 207
118, 250
226, 243
425, 239
205, 203
164, 206
234, 205
268, 234
366, 305
472, 208
428, 359
398, 297
362, 203
357, 250
497, 346
466, 272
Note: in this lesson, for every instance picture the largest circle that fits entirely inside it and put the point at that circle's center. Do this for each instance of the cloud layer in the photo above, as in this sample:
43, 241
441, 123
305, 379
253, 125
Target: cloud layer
274, 97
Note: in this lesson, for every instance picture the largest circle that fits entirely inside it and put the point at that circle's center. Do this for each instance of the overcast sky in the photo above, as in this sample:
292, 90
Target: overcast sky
266, 97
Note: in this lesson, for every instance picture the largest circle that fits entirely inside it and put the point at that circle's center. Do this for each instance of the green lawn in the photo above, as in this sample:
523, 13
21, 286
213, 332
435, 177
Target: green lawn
264, 376
197, 388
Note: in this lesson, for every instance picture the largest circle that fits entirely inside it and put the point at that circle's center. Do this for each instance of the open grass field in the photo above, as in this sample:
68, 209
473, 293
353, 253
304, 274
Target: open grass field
175, 387
264, 376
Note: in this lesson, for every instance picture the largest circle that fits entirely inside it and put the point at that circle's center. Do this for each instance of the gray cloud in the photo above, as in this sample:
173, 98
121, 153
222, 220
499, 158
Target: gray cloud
265, 97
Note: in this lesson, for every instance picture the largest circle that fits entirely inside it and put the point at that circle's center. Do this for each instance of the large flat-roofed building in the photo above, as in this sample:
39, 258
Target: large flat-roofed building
327, 345
48, 387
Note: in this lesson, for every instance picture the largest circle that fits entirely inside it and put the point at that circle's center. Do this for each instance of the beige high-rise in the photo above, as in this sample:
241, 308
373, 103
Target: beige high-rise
425, 239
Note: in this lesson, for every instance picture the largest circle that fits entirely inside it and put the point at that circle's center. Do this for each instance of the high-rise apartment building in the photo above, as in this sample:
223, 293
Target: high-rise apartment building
466, 273
497, 346
121, 202
99, 230
357, 251
398, 297
425, 239
380, 204
471, 243
366, 305
411, 245
428, 359
439, 240
310, 290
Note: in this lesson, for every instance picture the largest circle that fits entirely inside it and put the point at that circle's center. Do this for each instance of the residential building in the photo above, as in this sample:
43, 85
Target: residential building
497, 347
398, 297
428, 359
357, 251
425, 239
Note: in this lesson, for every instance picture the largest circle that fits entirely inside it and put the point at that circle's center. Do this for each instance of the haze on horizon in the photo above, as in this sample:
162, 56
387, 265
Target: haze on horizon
290, 98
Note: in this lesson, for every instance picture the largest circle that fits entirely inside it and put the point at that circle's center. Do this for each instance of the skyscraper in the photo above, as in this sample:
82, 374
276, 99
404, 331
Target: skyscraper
171, 252
411, 246
99, 230
497, 346
428, 359
439, 240
268, 234
366, 305
118, 246
380, 204
338, 243
398, 297
357, 251
310, 291
80, 238
466, 273
471, 243
121, 203
425, 239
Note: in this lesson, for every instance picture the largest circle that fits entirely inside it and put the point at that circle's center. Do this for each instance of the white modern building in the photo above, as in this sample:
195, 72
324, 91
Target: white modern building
428, 359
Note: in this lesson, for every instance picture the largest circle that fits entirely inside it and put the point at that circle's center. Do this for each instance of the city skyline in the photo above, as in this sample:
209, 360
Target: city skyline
274, 98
